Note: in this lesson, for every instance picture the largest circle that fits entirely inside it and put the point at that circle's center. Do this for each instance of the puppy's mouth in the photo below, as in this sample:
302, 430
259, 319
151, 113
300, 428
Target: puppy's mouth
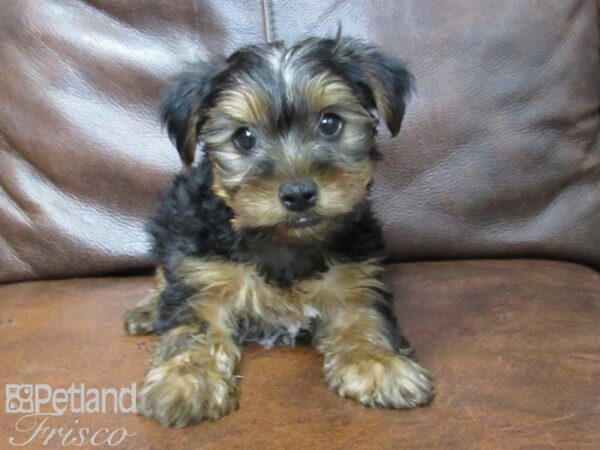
303, 221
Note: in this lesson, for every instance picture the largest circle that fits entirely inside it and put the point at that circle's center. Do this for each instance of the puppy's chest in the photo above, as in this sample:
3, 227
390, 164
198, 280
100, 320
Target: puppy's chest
284, 267
243, 289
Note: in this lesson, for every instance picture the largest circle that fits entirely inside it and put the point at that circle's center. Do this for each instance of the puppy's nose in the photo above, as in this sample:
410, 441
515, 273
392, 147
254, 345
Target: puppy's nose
298, 195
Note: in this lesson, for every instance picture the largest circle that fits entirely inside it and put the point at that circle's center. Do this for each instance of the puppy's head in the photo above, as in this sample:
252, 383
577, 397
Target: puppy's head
290, 132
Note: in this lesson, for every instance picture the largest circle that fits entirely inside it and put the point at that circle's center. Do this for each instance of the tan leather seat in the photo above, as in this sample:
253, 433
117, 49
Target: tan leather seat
512, 345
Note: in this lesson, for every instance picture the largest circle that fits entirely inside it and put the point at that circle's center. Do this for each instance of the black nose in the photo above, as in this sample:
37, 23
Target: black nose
298, 195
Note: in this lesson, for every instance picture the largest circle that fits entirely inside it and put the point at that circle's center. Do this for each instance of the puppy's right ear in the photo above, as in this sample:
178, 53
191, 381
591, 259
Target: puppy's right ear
185, 105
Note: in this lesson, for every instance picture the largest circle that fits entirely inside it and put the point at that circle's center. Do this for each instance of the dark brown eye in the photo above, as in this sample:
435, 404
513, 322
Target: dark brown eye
330, 125
244, 139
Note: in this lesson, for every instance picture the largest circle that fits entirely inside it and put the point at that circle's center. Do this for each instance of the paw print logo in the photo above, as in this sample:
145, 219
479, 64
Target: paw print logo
19, 398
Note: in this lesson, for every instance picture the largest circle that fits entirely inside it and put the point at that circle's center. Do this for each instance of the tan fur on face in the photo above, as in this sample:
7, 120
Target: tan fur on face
341, 189
243, 104
326, 91
256, 203
294, 154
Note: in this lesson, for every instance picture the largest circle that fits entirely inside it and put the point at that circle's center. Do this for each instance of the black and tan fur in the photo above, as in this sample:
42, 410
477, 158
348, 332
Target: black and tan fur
237, 263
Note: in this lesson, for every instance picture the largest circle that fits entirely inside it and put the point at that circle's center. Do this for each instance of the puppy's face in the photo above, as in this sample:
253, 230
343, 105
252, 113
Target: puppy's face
289, 131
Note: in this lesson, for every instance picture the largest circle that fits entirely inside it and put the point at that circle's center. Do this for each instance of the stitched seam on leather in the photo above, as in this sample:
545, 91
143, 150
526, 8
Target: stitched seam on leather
598, 21
268, 28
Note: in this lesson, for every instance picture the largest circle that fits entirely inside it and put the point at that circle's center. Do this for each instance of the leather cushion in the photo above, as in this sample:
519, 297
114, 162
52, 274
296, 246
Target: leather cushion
512, 346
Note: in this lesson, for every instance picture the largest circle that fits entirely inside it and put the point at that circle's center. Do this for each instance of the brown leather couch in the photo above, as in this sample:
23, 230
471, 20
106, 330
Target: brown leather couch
490, 198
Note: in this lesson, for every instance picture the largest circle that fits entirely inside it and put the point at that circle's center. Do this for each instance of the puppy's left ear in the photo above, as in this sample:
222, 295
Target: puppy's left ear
185, 105
382, 82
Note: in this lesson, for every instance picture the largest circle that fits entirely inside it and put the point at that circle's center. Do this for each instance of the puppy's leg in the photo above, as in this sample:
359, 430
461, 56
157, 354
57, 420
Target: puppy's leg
140, 319
361, 363
192, 374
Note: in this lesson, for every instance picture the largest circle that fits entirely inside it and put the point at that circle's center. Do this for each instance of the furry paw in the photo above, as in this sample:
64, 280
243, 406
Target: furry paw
379, 379
178, 393
140, 319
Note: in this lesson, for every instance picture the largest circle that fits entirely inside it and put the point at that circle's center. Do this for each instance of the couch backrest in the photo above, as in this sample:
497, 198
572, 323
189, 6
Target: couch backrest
498, 157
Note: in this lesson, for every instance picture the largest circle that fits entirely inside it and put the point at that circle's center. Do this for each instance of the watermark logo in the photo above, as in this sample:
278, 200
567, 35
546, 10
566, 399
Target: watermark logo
78, 399
19, 398
40, 405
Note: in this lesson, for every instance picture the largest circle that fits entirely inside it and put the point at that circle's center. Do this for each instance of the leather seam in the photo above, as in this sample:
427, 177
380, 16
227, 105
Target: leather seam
268, 28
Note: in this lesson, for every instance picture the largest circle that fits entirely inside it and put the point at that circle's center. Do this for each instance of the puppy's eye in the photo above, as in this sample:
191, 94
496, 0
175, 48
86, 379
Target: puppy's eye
244, 140
330, 125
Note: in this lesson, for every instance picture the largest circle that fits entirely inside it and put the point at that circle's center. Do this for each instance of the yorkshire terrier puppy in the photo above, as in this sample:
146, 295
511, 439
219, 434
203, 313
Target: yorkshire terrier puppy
270, 236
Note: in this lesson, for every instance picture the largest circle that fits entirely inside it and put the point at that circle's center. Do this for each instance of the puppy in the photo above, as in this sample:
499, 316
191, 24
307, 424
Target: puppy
270, 236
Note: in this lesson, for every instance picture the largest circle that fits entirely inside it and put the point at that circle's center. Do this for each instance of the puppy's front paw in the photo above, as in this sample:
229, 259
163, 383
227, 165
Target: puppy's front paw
379, 379
178, 393
138, 322
140, 319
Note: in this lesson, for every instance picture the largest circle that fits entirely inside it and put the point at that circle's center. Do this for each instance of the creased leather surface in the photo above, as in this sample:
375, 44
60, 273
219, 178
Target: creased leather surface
82, 155
512, 345
499, 155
